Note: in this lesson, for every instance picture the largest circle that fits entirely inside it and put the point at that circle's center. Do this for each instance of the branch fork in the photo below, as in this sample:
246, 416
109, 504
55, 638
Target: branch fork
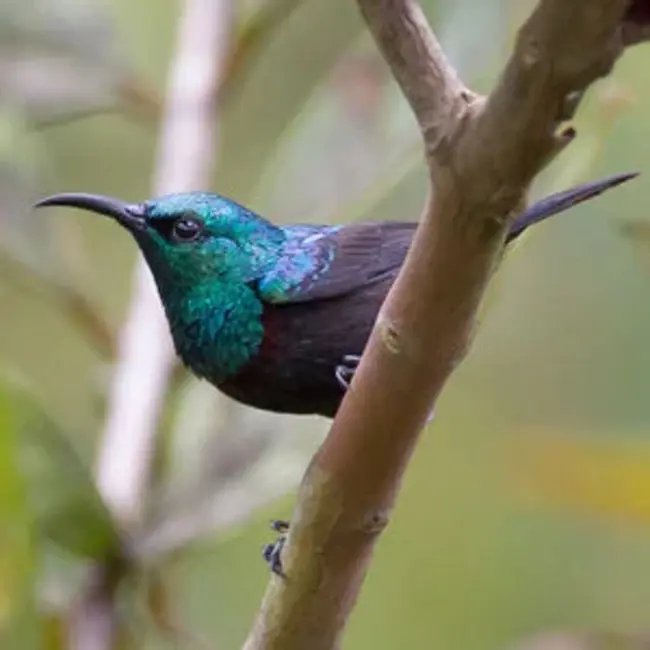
482, 153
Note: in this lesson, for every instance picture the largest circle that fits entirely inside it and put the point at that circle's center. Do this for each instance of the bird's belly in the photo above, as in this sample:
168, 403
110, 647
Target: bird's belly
309, 389
295, 369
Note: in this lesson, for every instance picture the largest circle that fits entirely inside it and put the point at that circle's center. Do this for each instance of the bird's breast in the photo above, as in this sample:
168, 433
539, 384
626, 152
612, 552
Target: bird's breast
217, 335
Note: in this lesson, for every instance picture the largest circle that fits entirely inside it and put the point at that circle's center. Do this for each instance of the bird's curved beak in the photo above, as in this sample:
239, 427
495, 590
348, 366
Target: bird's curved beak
129, 215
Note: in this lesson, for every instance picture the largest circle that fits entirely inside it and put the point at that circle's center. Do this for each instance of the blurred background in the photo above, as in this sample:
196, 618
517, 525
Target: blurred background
524, 518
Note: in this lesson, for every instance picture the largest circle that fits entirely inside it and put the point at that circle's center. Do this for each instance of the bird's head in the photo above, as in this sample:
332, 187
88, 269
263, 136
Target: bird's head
191, 237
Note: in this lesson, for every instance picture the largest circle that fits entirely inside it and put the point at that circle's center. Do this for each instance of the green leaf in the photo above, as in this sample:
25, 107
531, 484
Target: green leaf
67, 507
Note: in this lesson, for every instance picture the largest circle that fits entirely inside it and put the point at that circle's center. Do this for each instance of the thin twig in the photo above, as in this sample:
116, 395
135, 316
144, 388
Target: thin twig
185, 162
94, 623
186, 157
482, 155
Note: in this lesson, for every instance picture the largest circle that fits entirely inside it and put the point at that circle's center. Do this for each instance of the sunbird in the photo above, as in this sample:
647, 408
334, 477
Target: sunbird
276, 317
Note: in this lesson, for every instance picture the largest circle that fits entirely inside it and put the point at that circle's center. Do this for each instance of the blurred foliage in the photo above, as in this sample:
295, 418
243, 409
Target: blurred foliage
602, 478
67, 509
16, 548
573, 640
526, 505
61, 59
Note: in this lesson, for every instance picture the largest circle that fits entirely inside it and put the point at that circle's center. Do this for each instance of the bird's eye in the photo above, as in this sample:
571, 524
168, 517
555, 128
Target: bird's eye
187, 229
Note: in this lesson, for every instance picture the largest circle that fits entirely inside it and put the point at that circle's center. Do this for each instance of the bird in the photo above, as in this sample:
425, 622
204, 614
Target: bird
275, 317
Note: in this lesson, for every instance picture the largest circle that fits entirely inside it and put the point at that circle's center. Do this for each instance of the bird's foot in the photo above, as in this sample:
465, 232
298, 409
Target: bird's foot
345, 371
272, 551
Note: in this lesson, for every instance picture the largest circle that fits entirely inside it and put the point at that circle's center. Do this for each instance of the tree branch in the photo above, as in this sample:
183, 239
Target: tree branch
482, 155
419, 65
185, 162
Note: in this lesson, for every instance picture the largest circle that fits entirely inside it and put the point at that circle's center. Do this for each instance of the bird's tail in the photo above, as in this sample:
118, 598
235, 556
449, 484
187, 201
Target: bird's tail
561, 201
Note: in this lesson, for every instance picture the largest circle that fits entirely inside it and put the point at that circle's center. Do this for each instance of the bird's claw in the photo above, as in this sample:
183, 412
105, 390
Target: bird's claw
345, 371
272, 551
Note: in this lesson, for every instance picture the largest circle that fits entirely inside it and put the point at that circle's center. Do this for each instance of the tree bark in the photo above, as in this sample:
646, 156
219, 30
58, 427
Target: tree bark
482, 154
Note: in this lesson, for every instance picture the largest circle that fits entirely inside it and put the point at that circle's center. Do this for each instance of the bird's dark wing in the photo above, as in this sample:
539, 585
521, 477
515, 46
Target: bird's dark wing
328, 314
321, 262
350, 258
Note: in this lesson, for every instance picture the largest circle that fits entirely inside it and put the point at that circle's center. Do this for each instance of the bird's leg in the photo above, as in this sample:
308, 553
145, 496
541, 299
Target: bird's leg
272, 551
345, 371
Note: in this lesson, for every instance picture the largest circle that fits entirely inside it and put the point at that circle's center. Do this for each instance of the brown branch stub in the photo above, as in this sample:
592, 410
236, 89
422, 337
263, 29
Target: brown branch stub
482, 155
563, 47
429, 82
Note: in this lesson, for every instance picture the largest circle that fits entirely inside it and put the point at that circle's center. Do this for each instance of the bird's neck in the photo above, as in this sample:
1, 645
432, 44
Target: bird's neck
216, 327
